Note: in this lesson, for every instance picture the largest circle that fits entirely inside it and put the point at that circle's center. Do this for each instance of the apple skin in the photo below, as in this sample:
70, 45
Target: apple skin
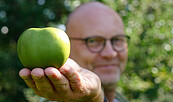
43, 47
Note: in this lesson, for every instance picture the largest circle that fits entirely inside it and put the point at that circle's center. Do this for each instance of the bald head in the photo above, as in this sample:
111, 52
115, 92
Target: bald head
97, 20
91, 14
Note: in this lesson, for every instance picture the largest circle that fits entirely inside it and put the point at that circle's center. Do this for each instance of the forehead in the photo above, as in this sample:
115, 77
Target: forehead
98, 21
100, 26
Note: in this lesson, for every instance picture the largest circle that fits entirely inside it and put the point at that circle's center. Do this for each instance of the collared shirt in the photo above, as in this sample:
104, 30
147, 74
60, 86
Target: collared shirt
115, 100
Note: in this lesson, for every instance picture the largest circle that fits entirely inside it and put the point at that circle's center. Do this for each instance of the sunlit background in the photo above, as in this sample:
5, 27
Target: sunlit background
149, 23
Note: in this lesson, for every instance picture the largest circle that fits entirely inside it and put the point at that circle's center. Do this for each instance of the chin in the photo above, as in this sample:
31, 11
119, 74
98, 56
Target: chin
110, 79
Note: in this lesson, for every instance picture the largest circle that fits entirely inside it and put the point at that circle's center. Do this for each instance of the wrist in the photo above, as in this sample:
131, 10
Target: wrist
92, 98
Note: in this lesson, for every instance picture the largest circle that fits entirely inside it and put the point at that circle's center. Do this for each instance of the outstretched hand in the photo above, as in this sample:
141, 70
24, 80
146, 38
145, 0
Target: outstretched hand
70, 83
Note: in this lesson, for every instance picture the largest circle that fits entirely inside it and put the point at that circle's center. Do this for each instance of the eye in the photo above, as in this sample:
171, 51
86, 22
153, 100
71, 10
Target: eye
118, 41
95, 41
92, 40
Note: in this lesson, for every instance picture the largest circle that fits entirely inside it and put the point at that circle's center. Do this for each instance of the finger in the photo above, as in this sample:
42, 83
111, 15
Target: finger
72, 63
61, 84
41, 81
25, 74
71, 71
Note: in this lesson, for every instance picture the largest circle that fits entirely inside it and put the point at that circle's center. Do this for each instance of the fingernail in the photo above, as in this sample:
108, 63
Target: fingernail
23, 77
36, 77
49, 75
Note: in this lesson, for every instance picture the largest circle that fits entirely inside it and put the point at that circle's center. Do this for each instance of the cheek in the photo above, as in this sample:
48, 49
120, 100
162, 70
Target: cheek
88, 60
82, 56
123, 56
123, 59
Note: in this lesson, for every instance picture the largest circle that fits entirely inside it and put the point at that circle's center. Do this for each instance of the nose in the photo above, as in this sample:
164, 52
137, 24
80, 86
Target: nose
108, 52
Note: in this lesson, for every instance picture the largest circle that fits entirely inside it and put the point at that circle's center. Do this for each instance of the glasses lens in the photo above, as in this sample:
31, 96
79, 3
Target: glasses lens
119, 43
95, 44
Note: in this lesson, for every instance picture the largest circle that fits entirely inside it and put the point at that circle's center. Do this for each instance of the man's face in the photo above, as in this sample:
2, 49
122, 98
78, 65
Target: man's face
107, 64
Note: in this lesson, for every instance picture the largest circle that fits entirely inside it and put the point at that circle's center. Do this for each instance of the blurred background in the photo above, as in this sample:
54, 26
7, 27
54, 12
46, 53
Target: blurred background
149, 23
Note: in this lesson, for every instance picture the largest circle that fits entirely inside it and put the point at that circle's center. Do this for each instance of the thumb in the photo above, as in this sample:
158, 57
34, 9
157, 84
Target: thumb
71, 70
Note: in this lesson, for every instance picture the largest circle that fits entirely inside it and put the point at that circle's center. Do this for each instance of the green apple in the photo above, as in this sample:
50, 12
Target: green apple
43, 47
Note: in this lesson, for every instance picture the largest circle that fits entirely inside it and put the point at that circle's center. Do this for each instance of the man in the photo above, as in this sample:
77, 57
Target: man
99, 51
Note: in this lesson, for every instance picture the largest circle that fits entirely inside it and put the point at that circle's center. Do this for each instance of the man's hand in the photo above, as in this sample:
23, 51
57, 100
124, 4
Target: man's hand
69, 83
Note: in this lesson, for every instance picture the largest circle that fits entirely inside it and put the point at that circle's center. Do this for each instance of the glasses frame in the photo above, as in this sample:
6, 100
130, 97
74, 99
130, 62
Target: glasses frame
104, 44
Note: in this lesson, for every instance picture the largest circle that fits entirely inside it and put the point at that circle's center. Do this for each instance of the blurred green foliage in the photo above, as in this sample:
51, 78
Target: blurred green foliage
149, 23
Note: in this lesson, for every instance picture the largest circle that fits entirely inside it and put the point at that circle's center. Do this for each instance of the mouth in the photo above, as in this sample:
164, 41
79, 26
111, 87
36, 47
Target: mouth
106, 67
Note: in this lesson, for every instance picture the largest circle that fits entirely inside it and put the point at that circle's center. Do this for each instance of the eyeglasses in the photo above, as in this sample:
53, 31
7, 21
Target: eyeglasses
96, 44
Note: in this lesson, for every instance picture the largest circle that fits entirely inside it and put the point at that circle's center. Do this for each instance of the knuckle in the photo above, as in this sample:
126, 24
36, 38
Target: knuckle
61, 87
